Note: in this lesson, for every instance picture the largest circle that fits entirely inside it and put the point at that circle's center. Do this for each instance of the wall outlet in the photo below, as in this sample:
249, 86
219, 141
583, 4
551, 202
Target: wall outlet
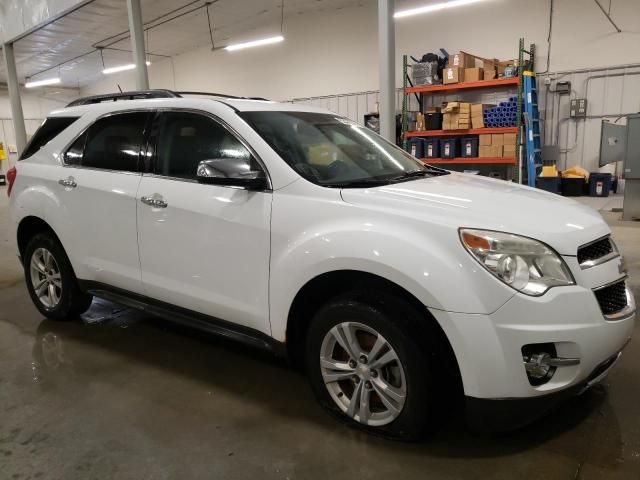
547, 80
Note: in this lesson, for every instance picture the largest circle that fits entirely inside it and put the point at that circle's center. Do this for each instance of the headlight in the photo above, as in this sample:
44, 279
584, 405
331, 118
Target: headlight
525, 264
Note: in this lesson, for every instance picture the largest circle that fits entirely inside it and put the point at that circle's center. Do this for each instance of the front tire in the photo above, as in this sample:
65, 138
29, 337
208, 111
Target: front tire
51, 283
367, 368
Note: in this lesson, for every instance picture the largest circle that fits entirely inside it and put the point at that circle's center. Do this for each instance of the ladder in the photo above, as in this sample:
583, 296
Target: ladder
531, 127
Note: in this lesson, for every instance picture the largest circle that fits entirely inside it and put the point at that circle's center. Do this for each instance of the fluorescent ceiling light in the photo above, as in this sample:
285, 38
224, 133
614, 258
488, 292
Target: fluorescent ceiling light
255, 43
41, 83
121, 68
434, 7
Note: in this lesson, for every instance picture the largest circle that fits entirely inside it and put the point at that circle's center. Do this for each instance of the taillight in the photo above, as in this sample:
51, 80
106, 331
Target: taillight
12, 173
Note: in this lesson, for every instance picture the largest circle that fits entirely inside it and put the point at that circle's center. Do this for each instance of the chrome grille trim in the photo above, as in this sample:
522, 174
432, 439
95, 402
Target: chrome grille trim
591, 261
626, 311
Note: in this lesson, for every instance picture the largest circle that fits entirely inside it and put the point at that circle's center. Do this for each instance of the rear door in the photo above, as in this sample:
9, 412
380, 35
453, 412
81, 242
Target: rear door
203, 247
98, 189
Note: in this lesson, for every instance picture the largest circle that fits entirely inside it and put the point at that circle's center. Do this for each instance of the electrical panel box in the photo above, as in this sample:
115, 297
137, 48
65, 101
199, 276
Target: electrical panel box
613, 143
631, 208
632, 155
550, 153
578, 108
563, 88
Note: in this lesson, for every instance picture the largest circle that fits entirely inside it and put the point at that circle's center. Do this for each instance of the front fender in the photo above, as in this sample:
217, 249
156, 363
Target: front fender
427, 260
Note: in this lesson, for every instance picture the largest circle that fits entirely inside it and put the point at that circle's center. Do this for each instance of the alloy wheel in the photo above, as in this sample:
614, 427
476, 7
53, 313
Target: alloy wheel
46, 279
363, 373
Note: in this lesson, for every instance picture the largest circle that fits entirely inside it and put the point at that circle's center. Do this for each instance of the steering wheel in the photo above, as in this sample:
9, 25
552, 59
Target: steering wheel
336, 168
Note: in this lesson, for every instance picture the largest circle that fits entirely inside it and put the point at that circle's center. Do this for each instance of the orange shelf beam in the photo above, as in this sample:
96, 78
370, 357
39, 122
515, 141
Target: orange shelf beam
501, 82
470, 160
450, 133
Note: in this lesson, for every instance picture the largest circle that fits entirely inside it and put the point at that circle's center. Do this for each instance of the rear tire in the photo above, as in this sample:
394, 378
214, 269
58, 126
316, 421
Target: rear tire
391, 379
51, 283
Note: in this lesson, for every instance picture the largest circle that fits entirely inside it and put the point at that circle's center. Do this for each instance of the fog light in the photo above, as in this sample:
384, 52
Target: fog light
538, 369
541, 361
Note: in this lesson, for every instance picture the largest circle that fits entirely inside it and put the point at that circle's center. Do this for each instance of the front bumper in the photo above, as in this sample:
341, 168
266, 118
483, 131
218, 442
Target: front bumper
504, 414
489, 352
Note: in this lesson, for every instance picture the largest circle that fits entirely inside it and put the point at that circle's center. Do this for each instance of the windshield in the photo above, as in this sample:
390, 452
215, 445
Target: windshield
335, 152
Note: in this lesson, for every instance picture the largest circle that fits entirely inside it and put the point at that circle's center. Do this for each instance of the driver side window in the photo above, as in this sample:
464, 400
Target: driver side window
185, 139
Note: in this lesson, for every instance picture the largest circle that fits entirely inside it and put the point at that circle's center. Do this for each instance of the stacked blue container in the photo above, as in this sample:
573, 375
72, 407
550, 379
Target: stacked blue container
503, 115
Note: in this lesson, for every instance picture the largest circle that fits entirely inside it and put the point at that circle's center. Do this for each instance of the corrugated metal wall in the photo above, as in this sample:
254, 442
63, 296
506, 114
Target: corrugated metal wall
611, 92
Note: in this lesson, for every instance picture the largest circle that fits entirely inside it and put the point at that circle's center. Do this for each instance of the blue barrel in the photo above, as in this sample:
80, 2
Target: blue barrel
449, 148
599, 184
469, 147
416, 147
432, 148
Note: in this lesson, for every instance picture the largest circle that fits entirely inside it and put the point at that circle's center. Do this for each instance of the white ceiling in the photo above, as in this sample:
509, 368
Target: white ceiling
105, 23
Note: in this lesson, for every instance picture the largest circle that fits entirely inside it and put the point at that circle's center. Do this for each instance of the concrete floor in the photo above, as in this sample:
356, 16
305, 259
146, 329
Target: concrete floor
124, 396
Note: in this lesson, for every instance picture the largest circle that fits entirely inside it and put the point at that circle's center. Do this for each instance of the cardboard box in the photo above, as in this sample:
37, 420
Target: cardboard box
449, 107
453, 75
473, 74
485, 139
509, 150
509, 139
490, 151
497, 139
477, 109
462, 60
419, 122
477, 115
489, 63
490, 74
447, 123
464, 107
477, 122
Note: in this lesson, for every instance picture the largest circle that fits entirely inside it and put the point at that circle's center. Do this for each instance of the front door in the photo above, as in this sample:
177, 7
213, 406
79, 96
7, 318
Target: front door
203, 247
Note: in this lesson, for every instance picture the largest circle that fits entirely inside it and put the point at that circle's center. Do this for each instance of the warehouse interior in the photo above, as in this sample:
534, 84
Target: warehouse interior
543, 93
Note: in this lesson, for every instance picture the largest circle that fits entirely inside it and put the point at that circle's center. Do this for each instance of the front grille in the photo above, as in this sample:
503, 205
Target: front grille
595, 250
612, 298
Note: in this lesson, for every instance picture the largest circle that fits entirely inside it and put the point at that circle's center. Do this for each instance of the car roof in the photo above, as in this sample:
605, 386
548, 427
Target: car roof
194, 102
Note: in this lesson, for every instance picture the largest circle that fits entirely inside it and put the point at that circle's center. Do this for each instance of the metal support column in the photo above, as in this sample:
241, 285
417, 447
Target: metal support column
14, 97
136, 29
387, 60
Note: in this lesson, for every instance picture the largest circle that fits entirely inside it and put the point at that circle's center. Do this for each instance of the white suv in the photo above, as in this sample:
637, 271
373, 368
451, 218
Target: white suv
394, 283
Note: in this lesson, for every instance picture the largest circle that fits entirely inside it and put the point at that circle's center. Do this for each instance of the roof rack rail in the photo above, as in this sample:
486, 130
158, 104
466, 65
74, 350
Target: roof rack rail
134, 95
221, 95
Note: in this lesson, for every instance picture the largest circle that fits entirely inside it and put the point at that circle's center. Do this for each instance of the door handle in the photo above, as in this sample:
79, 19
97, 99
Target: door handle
154, 201
68, 182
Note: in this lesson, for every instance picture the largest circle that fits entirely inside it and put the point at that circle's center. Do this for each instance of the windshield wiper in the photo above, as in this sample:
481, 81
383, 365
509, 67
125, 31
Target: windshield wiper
362, 183
414, 174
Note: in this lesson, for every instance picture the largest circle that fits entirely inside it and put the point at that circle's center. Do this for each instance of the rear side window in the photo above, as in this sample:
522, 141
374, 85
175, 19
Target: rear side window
112, 143
50, 128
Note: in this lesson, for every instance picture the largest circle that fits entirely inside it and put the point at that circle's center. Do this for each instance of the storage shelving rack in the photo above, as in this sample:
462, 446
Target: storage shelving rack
510, 82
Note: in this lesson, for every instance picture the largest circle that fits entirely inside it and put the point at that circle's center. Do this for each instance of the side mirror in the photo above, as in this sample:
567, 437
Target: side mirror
231, 171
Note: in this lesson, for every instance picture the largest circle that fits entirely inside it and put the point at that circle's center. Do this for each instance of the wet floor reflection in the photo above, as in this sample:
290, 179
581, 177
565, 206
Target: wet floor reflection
179, 401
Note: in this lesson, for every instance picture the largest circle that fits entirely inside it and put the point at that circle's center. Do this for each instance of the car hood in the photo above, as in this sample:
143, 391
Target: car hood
464, 200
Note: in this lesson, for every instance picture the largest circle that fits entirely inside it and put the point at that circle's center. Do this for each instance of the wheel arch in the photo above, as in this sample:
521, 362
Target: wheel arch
326, 286
28, 227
